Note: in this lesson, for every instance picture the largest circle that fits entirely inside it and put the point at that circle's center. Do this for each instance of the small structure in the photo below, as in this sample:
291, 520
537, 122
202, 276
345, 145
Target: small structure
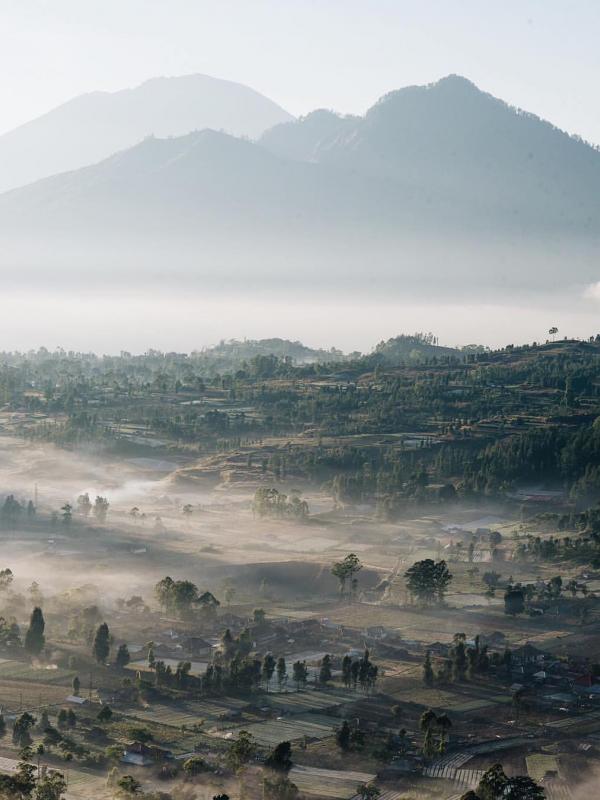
196, 646
528, 655
75, 698
375, 632
144, 755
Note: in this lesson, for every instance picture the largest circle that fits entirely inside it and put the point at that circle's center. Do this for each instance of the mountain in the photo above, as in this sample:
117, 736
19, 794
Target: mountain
96, 125
441, 188
450, 138
310, 137
206, 177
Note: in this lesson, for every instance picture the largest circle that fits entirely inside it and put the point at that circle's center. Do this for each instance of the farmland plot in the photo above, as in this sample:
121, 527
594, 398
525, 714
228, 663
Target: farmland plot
198, 667
328, 782
271, 732
456, 701
584, 723
300, 702
189, 713
83, 785
538, 764
15, 695
18, 671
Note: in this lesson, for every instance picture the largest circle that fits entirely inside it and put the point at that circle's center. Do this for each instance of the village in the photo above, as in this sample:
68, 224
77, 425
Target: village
370, 687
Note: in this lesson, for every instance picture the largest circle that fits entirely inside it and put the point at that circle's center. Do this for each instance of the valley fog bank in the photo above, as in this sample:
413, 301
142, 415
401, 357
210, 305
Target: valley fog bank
127, 555
105, 321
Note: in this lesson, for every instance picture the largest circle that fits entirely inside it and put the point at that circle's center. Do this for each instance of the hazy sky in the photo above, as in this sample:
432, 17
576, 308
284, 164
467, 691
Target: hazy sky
542, 55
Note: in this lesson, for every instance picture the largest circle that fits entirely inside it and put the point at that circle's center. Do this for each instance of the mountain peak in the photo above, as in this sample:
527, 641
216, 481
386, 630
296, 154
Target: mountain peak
446, 89
426, 187
454, 81
93, 126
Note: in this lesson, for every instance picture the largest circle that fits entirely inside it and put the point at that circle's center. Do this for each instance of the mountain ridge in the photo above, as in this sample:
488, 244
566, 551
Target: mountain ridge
442, 183
94, 125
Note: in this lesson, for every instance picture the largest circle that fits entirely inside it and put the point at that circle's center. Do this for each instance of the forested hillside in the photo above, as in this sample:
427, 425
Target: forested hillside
445, 425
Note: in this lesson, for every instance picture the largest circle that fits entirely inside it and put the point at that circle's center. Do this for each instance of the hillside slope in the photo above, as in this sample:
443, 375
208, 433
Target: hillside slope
451, 138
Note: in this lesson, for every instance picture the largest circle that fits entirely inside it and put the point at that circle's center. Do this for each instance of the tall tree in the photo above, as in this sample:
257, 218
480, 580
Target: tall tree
300, 673
67, 514
492, 784
240, 750
428, 581
345, 571
343, 736
347, 671
427, 670
50, 786
522, 787
101, 506
101, 645
21, 735
281, 672
268, 668
84, 505
514, 601
123, 658
280, 758
459, 658
34, 638
325, 672
6, 578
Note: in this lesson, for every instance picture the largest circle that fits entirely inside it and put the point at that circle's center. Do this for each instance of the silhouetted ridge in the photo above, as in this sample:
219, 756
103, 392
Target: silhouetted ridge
440, 184
91, 127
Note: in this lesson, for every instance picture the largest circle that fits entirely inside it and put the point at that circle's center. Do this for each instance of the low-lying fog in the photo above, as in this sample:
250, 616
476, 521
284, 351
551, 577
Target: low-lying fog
109, 322
127, 555
221, 539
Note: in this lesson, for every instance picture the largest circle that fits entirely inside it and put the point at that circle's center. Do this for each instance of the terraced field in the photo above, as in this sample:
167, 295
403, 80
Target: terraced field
585, 723
271, 732
328, 782
189, 713
299, 702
